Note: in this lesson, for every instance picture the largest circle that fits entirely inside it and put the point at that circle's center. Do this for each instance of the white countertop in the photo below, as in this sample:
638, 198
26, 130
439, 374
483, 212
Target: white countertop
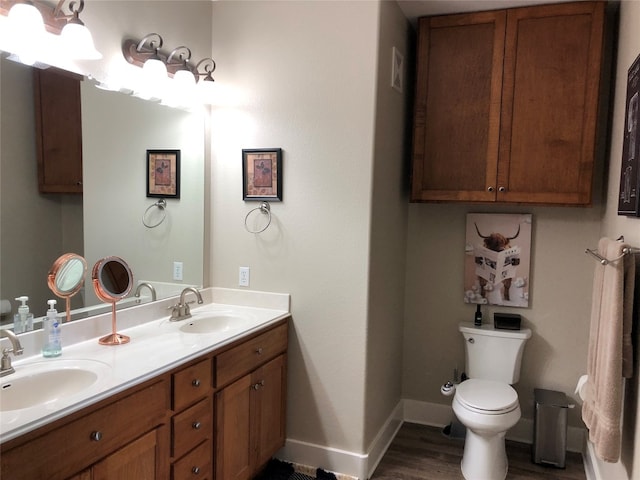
157, 346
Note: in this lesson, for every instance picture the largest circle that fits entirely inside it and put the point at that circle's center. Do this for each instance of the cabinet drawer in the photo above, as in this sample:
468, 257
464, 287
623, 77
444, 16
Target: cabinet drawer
245, 357
196, 464
77, 445
191, 384
192, 426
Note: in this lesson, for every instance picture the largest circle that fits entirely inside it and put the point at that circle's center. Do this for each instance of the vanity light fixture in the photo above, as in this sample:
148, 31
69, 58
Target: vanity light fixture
76, 37
177, 65
182, 74
33, 27
205, 69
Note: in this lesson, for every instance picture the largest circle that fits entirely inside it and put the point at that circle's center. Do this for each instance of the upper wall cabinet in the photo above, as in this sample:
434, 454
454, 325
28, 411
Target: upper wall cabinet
58, 131
507, 105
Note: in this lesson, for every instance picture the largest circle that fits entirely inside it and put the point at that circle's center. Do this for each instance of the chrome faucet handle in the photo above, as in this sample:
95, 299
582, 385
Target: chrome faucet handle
5, 362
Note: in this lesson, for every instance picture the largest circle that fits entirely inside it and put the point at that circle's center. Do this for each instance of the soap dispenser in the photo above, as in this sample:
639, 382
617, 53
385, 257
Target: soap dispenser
23, 320
52, 343
477, 320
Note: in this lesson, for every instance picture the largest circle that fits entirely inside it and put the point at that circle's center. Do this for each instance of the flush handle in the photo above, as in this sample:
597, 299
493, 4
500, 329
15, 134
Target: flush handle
471, 340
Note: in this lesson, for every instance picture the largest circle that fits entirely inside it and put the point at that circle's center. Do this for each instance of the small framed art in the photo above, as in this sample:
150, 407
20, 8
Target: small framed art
163, 173
262, 174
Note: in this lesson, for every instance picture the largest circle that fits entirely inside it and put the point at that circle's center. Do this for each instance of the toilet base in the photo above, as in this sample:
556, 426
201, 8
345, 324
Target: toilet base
484, 456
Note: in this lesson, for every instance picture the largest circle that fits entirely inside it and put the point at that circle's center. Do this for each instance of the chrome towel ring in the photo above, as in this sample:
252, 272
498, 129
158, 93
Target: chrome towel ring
162, 205
264, 208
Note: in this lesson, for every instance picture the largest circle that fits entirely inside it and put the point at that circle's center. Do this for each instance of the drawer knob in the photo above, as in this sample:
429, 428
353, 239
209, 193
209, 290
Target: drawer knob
256, 386
259, 351
96, 436
196, 425
490, 189
502, 189
195, 470
196, 383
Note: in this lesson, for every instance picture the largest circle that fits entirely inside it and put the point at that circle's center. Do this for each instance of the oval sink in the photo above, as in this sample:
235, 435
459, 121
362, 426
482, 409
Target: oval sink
40, 383
214, 323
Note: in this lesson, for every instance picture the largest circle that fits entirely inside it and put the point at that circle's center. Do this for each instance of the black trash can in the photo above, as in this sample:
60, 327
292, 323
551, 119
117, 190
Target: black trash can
550, 428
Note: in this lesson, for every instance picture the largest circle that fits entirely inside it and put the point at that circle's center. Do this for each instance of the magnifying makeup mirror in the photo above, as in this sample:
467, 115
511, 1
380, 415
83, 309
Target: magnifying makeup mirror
112, 281
66, 277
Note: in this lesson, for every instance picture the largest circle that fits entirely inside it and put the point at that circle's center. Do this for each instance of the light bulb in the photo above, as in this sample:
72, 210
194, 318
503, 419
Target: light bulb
78, 42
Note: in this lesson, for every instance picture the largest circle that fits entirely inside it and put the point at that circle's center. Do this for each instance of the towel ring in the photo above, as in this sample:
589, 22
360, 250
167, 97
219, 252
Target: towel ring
264, 208
162, 205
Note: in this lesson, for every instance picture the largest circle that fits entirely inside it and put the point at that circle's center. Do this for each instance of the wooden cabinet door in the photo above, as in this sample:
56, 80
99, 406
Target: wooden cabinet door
457, 107
233, 459
552, 65
58, 131
135, 461
250, 424
268, 405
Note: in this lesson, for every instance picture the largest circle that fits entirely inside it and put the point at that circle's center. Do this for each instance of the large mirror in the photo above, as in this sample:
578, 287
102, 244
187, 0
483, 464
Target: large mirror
107, 218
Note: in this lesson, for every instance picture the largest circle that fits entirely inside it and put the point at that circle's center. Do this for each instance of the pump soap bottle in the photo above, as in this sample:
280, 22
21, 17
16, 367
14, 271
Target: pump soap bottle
477, 320
23, 320
52, 344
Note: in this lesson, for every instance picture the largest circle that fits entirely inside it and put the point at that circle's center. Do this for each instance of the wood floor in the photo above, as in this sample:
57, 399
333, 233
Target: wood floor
422, 453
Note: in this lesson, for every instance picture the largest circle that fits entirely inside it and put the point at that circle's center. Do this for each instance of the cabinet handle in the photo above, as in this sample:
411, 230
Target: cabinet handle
96, 436
256, 386
259, 351
195, 470
502, 189
196, 425
489, 189
196, 383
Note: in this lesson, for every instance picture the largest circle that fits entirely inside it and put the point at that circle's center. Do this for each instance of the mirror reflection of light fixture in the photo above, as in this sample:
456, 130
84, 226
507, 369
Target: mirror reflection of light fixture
37, 31
25, 32
146, 54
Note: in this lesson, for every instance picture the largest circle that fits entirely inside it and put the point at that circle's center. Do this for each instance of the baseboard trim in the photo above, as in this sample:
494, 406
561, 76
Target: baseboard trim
362, 465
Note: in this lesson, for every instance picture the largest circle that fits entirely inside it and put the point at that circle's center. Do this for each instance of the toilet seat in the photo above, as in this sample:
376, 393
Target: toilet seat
487, 397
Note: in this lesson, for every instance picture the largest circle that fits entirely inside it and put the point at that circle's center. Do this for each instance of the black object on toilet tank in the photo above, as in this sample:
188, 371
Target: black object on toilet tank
506, 321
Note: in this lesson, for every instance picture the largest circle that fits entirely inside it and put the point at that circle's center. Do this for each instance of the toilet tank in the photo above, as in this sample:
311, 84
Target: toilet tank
493, 354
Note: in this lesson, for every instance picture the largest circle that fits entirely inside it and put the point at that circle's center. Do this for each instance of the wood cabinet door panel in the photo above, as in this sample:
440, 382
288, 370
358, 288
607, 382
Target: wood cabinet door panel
549, 106
58, 131
268, 409
457, 111
136, 460
233, 431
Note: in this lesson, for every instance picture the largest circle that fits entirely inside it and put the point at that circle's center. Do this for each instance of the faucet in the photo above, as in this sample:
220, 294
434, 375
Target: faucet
181, 311
151, 289
16, 349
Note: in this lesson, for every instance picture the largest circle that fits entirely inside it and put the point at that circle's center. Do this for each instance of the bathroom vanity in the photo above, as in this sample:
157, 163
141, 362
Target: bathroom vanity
216, 411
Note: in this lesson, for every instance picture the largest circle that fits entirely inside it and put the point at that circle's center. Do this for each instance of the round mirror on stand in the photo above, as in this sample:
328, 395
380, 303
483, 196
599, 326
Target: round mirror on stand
112, 281
66, 277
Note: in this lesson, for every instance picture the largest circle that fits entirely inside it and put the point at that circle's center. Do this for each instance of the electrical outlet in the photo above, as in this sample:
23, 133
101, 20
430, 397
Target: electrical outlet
177, 270
243, 278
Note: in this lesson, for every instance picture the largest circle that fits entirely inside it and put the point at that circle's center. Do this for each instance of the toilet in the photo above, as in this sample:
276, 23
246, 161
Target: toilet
486, 403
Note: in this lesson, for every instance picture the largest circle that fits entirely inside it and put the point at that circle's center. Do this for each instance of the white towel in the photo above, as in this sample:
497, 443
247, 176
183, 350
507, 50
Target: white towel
610, 355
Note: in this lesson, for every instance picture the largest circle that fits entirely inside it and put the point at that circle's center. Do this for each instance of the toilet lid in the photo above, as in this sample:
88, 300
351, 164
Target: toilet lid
487, 396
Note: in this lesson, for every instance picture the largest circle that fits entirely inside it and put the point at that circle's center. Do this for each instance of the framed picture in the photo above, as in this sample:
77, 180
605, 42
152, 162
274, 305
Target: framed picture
497, 259
262, 174
163, 173
628, 201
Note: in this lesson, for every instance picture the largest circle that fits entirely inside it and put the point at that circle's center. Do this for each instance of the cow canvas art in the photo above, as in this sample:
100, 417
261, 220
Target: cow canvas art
497, 259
